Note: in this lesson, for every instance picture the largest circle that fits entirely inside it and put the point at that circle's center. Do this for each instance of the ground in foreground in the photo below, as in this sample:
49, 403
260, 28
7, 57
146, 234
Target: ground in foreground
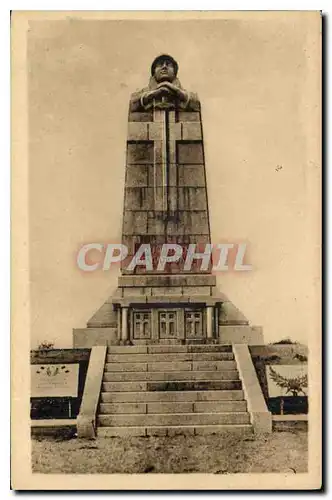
218, 454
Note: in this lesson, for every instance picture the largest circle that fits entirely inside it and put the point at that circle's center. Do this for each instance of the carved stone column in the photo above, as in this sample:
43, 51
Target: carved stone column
209, 322
119, 331
124, 325
216, 322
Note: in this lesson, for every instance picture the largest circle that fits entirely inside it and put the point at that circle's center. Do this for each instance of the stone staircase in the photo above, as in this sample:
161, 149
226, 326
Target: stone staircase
171, 389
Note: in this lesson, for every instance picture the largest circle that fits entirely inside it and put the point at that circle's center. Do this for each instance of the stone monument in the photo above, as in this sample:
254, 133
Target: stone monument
166, 202
203, 380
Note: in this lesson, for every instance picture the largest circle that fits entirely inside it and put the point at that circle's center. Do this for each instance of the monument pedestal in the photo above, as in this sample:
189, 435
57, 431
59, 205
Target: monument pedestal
167, 309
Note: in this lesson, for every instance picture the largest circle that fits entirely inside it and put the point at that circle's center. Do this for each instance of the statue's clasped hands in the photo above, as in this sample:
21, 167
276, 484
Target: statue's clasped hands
165, 89
168, 88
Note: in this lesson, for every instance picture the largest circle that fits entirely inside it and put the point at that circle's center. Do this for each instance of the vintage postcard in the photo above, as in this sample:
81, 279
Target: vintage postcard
166, 230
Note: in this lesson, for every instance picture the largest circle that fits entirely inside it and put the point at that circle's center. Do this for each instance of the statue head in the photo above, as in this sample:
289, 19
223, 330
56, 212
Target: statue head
164, 68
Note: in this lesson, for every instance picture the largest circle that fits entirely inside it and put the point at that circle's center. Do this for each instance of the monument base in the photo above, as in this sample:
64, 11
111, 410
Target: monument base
167, 309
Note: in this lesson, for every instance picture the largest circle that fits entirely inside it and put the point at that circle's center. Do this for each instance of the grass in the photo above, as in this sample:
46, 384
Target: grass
218, 454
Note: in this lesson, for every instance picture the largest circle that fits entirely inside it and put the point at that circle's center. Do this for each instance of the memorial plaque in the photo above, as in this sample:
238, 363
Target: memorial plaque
287, 380
54, 380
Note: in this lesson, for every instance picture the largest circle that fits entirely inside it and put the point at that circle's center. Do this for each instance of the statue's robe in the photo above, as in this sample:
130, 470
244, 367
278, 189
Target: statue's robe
165, 184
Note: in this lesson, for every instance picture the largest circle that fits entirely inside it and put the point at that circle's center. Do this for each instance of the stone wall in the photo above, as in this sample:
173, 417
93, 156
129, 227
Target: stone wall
89, 337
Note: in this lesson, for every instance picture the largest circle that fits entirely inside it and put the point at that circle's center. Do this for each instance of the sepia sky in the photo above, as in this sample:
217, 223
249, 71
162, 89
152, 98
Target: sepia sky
258, 88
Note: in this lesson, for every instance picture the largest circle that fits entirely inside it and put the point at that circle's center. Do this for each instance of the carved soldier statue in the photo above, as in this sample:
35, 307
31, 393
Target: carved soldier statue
165, 187
164, 90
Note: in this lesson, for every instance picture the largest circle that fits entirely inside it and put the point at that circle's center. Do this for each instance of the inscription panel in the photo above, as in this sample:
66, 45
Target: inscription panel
54, 380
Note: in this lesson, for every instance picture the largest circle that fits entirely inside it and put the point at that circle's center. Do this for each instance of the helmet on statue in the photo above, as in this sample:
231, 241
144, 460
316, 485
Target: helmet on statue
161, 59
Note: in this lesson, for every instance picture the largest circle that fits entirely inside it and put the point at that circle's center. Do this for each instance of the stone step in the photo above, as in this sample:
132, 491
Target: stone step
112, 408
126, 367
164, 396
214, 365
175, 385
238, 429
220, 406
169, 376
165, 419
159, 348
170, 366
170, 358
174, 407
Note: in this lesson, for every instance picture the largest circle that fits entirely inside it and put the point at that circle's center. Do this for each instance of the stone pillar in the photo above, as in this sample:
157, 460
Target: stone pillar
124, 329
216, 322
209, 322
119, 331
154, 325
